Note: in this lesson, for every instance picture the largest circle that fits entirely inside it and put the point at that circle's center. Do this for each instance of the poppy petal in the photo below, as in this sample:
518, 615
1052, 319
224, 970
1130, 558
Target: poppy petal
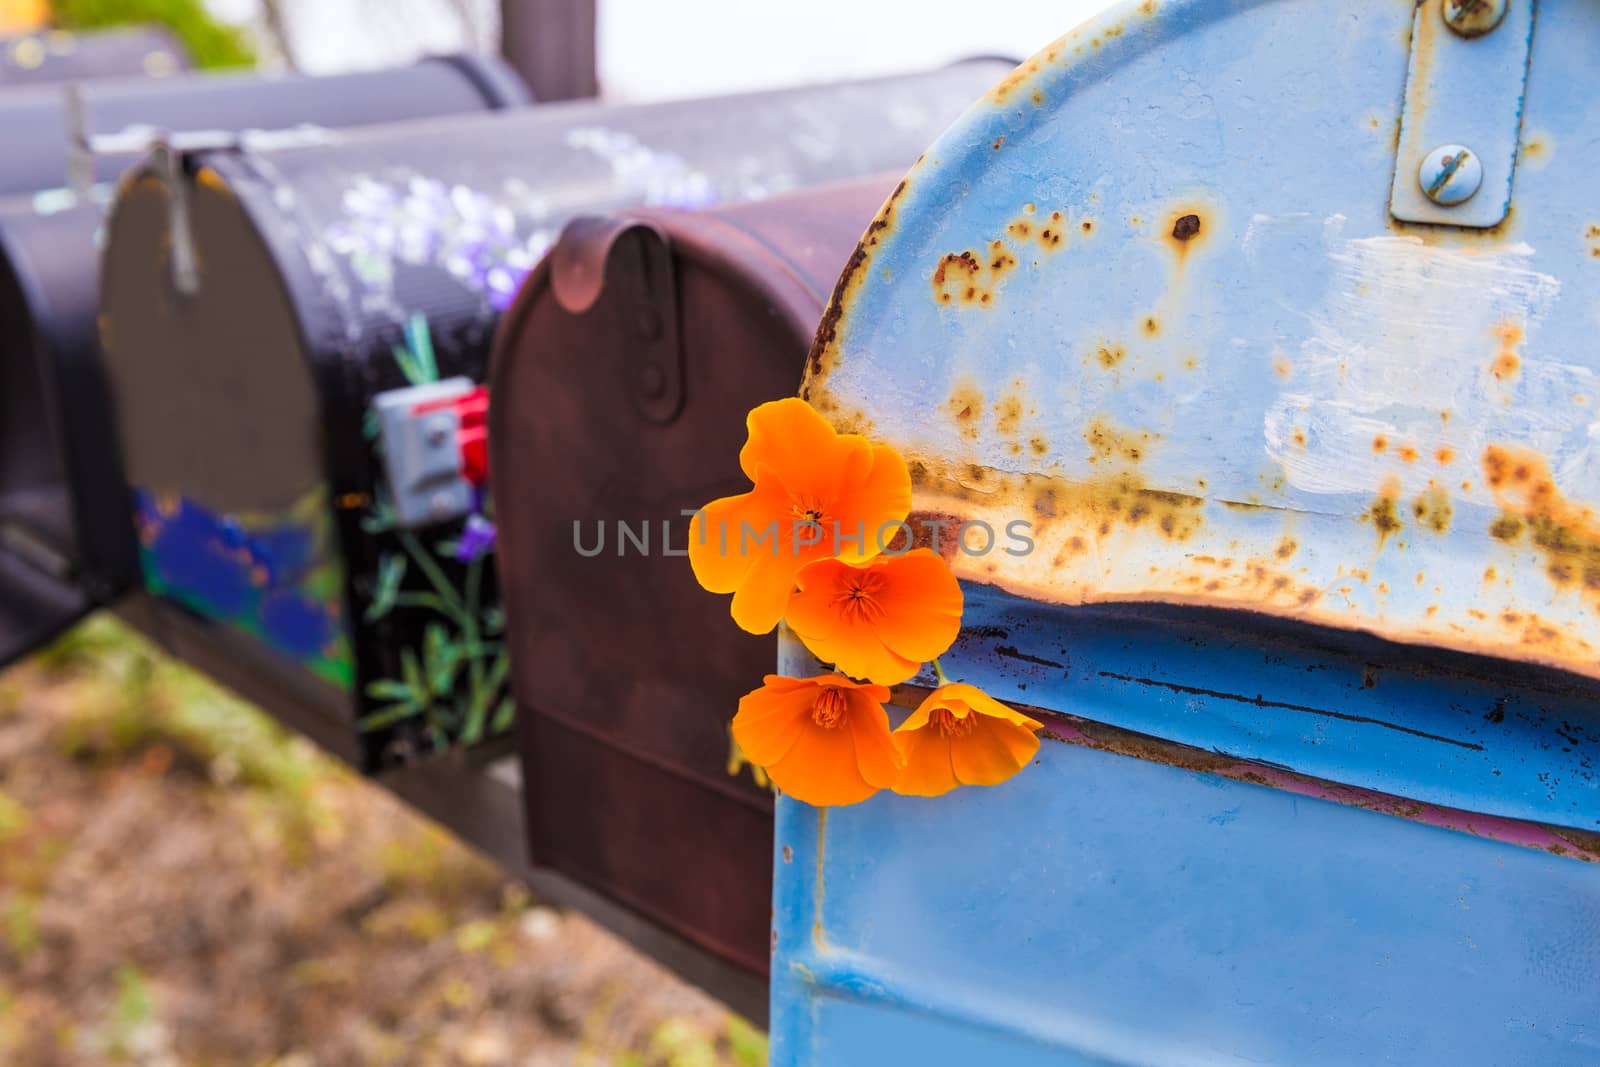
922, 604
839, 635
984, 704
928, 771
781, 431
770, 719
763, 596
994, 751
821, 769
878, 499
877, 758
722, 543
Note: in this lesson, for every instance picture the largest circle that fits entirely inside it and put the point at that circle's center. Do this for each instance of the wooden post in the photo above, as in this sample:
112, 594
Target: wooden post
552, 44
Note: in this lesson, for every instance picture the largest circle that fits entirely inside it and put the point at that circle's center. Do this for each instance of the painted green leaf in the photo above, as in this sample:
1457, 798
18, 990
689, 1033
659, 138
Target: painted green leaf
504, 715
388, 689
386, 717
391, 572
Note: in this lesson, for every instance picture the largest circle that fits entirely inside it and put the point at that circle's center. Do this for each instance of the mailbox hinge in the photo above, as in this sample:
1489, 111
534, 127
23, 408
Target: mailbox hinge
1462, 118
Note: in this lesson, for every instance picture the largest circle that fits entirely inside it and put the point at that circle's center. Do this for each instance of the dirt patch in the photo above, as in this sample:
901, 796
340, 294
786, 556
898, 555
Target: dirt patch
183, 884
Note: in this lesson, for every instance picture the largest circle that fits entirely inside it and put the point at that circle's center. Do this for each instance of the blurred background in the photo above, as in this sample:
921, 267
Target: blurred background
626, 49
182, 883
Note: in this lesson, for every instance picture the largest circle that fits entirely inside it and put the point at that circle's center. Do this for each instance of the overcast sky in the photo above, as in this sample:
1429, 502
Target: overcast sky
656, 49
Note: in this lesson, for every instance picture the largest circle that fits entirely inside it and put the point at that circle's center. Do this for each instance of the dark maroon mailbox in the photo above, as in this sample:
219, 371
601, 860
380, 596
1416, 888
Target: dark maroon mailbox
621, 378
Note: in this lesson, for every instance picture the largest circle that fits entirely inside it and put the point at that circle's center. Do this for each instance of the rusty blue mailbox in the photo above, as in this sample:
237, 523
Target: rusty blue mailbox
1274, 322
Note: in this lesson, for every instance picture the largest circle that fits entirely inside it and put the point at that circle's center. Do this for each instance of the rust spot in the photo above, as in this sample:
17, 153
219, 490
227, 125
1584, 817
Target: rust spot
1282, 367
1152, 327
966, 406
1106, 441
1039, 446
1299, 437
1407, 453
1506, 528
1567, 534
1014, 80
1110, 356
1508, 361
998, 141
1380, 443
1087, 226
1021, 228
1008, 415
1186, 227
1037, 98
1433, 510
1384, 518
970, 278
1287, 547
926, 528
1445, 455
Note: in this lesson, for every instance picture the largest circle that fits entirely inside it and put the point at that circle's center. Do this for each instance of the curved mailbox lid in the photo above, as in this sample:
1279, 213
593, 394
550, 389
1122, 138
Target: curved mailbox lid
1149, 298
1177, 328
625, 673
38, 117
55, 56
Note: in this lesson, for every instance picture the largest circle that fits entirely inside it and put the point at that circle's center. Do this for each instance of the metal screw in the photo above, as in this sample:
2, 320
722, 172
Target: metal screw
1474, 18
1450, 175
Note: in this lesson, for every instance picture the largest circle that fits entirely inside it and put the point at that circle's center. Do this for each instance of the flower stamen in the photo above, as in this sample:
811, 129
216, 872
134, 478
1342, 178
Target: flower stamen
828, 711
948, 725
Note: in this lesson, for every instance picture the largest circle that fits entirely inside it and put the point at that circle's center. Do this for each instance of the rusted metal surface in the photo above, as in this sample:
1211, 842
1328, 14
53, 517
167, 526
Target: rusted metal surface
1236, 381
625, 672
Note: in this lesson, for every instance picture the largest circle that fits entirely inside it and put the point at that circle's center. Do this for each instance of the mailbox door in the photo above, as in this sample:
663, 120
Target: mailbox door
398, 249
621, 379
1299, 436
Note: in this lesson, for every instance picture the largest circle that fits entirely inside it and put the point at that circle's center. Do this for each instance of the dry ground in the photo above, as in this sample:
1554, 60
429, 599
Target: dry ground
183, 885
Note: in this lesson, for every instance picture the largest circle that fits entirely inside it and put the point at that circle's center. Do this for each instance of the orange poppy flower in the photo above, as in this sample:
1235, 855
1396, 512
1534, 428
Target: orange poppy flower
961, 735
823, 740
818, 494
880, 621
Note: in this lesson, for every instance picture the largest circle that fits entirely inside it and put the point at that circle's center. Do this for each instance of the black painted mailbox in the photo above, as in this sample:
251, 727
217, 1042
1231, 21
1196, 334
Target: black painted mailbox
66, 543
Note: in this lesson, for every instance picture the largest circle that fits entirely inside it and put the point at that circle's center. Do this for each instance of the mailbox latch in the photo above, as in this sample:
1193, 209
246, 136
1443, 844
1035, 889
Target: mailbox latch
1462, 119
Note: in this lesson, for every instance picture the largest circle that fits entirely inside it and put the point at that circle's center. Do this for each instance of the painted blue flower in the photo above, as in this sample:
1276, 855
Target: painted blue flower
198, 558
296, 624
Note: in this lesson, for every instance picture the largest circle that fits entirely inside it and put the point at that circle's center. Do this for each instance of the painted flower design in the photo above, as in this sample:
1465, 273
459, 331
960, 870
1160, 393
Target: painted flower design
959, 736
817, 494
880, 621
477, 539
823, 740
